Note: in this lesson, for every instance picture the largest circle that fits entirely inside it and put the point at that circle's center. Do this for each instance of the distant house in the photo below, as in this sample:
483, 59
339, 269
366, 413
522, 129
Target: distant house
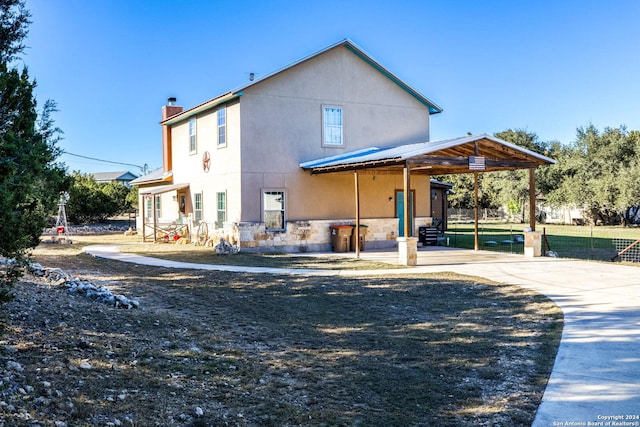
271, 165
122, 177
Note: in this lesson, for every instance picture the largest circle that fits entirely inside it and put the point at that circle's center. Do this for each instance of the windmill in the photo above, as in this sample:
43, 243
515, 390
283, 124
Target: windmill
61, 223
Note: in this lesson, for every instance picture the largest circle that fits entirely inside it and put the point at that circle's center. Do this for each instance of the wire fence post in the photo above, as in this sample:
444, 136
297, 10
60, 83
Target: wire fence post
511, 238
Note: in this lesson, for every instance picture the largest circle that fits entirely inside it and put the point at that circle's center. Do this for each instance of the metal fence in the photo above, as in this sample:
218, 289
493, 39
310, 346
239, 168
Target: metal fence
582, 242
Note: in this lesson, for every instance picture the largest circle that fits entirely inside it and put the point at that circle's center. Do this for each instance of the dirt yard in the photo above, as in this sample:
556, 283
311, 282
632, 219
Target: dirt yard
230, 349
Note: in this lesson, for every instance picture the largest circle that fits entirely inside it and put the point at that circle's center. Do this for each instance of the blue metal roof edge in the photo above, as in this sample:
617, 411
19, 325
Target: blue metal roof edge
344, 156
406, 151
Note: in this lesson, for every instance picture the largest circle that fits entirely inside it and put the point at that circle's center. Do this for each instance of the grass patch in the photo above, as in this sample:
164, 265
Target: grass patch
567, 241
261, 350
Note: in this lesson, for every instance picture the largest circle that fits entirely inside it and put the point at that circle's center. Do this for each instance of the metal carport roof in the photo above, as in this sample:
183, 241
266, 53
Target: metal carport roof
467, 154
451, 156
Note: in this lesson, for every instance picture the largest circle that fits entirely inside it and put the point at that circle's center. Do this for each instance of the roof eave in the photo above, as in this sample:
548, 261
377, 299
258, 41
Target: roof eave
165, 177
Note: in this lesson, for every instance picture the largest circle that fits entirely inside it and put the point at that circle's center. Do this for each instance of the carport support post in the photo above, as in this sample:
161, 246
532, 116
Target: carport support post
357, 229
407, 245
476, 245
532, 199
144, 222
407, 189
532, 238
155, 220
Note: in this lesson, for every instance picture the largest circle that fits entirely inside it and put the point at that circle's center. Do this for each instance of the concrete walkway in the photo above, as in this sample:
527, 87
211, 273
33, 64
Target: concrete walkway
596, 375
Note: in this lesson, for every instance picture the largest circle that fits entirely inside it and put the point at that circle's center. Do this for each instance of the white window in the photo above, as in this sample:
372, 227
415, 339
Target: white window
158, 206
222, 209
222, 127
148, 208
273, 204
192, 136
332, 126
197, 208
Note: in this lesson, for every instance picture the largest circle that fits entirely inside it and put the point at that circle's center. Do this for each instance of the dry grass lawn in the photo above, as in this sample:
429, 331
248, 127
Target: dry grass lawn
216, 349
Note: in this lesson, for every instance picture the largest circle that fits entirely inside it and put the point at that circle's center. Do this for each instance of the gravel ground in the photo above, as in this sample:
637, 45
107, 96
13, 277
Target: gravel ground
210, 348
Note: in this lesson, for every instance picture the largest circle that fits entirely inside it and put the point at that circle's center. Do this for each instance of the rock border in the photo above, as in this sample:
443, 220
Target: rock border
57, 276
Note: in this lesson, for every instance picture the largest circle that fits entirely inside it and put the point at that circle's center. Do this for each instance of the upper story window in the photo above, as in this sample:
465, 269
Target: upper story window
192, 136
332, 126
222, 126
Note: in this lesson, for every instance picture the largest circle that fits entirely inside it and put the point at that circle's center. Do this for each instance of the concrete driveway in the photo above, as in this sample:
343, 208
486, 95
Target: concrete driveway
596, 376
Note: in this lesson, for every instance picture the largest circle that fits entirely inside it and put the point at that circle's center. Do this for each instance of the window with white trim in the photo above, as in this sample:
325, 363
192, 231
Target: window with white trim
332, 126
158, 205
148, 208
222, 209
197, 207
273, 205
192, 136
222, 126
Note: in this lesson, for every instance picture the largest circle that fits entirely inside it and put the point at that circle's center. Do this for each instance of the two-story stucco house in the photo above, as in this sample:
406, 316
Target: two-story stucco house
244, 162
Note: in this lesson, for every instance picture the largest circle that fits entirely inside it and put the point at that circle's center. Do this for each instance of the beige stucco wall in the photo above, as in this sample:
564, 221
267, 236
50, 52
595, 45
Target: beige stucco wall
224, 173
276, 124
282, 127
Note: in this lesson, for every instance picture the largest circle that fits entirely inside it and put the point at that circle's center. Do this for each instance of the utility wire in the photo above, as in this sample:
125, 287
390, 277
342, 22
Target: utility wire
142, 168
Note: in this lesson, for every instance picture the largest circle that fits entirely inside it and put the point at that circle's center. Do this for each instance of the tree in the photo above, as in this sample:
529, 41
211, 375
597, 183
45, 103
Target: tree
30, 178
600, 173
463, 198
91, 201
512, 187
132, 198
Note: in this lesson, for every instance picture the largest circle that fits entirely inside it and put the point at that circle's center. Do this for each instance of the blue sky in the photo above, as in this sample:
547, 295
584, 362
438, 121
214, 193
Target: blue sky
548, 67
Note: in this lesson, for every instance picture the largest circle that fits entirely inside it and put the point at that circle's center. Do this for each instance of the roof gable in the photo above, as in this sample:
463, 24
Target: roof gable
347, 43
433, 108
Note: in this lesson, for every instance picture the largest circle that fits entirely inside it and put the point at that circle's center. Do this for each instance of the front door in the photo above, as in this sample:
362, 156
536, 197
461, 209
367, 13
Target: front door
400, 211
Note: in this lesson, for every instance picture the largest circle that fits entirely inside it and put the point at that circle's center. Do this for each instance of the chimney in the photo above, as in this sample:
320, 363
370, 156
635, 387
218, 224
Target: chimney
171, 109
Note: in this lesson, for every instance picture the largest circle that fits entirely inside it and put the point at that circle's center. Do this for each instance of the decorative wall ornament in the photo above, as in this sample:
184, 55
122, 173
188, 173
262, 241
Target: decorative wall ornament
206, 161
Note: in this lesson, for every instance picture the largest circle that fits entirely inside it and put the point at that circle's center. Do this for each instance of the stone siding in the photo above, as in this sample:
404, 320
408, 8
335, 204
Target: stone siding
308, 236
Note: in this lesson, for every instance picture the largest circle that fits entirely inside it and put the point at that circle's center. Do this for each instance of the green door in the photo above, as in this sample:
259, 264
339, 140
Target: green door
400, 211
